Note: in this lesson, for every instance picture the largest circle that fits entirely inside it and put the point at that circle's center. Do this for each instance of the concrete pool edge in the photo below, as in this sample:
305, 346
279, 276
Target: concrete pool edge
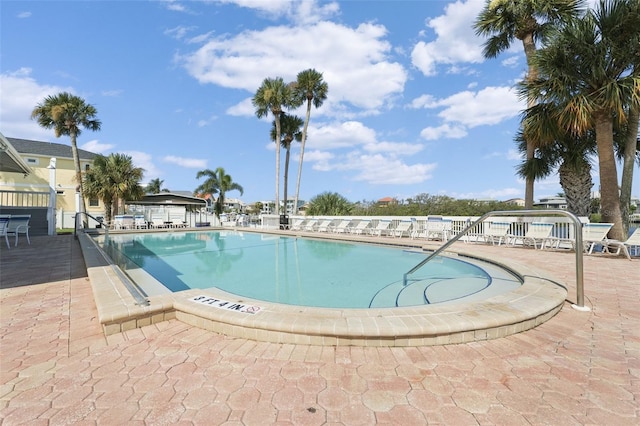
535, 302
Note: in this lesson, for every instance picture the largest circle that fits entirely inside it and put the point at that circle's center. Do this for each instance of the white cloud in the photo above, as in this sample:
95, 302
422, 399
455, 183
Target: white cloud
191, 163
397, 148
455, 41
23, 15
467, 109
381, 169
368, 79
444, 131
19, 95
97, 147
298, 11
340, 135
144, 160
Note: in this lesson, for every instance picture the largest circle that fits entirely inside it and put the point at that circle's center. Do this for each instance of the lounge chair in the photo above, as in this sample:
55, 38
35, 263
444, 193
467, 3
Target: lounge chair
592, 234
537, 232
311, 225
324, 226
342, 227
497, 231
403, 229
157, 223
381, 228
298, 224
19, 224
433, 229
361, 227
4, 225
623, 246
139, 222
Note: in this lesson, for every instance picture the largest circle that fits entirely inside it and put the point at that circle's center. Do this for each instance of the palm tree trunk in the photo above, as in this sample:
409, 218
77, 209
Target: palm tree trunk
532, 73
576, 183
76, 162
631, 144
609, 195
286, 177
302, 143
277, 120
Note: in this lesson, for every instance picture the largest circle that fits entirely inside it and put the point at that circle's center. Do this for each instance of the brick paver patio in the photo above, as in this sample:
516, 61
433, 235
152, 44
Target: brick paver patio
56, 367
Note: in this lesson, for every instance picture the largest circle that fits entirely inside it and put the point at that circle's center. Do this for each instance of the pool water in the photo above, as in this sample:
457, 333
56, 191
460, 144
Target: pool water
301, 271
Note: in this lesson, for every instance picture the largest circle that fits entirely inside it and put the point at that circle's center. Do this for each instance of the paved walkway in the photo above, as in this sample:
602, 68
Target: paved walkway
56, 367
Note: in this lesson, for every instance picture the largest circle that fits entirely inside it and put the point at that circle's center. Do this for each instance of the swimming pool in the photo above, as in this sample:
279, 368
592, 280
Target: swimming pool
302, 271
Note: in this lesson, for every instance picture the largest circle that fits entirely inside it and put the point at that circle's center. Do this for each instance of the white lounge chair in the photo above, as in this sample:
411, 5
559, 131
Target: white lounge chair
537, 232
19, 224
592, 234
497, 231
139, 222
298, 224
623, 246
403, 228
342, 227
361, 227
311, 225
381, 228
4, 225
157, 223
324, 226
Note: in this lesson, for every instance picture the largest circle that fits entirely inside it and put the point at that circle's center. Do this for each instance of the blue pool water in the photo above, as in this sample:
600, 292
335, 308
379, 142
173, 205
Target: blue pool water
299, 271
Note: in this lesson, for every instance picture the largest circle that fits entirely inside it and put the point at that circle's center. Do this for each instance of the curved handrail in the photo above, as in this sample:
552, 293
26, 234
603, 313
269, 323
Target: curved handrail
75, 225
578, 233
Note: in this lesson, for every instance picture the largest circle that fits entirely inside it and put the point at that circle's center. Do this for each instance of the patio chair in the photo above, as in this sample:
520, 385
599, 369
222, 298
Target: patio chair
381, 228
324, 226
19, 224
592, 235
403, 228
497, 231
538, 232
311, 225
623, 246
157, 222
298, 224
139, 222
342, 227
4, 224
361, 227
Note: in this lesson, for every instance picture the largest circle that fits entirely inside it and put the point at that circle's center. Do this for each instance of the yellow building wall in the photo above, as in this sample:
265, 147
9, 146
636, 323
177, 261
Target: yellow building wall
38, 181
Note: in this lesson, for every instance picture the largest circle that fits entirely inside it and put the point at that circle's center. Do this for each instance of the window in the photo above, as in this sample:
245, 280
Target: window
94, 202
33, 161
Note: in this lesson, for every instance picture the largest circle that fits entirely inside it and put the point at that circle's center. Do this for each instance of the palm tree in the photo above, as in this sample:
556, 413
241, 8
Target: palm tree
96, 184
571, 156
68, 114
290, 129
271, 97
155, 186
310, 87
217, 182
114, 179
586, 69
504, 21
329, 203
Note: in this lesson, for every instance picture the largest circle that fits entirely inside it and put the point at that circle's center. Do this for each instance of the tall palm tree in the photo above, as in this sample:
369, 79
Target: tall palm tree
587, 70
504, 21
217, 182
155, 186
114, 179
290, 129
68, 114
310, 87
271, 97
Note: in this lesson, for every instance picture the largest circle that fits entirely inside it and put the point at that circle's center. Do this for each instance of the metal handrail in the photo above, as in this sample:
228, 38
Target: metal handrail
75, 225
578, 233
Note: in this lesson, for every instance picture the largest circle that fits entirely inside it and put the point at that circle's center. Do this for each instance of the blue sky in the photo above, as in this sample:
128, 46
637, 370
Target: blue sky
413, 107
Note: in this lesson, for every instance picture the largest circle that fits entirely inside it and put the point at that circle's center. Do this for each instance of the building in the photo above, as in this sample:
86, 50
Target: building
552, 203
51, 175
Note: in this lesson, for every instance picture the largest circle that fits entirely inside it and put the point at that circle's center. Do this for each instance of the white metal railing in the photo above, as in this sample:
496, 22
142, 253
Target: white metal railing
24, 199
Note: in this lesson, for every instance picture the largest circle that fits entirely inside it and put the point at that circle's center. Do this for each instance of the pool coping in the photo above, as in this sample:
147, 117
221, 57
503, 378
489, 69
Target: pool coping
538, 299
